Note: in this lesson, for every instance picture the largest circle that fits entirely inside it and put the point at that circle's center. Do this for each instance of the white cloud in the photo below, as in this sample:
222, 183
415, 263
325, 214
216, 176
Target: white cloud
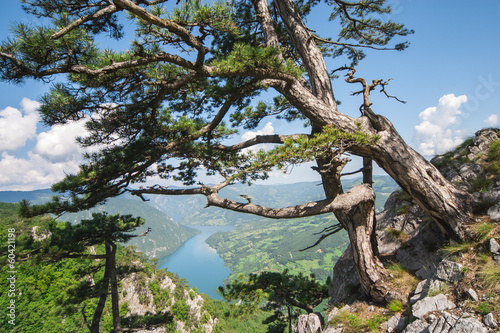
435, 133
32, 173
16, 126
55, 154
492, 120
267, 130
59, 143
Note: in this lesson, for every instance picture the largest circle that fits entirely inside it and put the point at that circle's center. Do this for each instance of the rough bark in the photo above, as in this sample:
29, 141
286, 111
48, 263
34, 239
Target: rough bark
309, 52
96, 319
449, 207
114, 287
359, 223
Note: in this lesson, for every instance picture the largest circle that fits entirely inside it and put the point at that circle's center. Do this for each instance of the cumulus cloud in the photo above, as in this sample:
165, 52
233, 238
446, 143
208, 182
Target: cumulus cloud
267, 130
34, 172
55, 154
492, 120
18, 126
436, 133
59, 143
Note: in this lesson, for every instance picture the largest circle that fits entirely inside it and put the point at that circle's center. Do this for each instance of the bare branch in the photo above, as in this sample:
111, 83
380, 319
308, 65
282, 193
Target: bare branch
330, 231
348, 45
342, 202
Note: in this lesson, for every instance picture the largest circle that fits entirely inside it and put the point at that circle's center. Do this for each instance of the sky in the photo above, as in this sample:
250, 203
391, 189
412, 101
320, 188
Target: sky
449, 77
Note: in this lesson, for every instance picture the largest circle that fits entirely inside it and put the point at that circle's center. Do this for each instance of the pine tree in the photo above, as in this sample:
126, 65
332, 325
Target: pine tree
193, 74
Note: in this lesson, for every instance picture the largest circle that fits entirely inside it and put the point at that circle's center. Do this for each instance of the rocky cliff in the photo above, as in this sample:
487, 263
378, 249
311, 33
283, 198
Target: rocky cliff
451, 287
162, 303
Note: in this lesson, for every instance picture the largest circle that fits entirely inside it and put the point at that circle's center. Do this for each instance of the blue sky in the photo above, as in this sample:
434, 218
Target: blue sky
449, 76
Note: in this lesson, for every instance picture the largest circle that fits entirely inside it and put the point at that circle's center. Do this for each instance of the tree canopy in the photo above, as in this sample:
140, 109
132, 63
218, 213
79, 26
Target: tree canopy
193, 74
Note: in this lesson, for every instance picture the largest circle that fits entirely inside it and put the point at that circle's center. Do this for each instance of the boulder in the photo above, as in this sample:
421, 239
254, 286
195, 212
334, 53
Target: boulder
418, 326
494, 212
448, 323
472, 293
431, 304
495, 250
344, 279
449, 271
395, 324
425, 287
308, 323
490, 321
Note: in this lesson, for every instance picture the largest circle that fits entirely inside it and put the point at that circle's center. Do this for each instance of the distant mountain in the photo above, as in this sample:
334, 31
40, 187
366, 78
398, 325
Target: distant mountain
166, 235
36, 196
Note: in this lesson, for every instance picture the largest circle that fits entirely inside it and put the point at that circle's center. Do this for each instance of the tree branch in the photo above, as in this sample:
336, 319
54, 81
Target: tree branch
105, 11
171, 26
342, 202
259, 139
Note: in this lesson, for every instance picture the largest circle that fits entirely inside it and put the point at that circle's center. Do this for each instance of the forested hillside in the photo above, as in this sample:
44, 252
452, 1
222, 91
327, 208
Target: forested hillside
270, 245
166, 235
50, 293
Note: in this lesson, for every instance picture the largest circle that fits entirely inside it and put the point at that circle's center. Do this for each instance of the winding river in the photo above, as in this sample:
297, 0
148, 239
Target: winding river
198, 263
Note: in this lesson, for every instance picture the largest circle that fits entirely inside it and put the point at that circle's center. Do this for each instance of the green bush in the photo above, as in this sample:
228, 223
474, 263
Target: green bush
180, 310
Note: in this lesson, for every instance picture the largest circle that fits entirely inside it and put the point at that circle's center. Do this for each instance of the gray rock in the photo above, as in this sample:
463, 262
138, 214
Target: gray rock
495, 249
491, 195
449, 271
332, 314
395, 324
344, 279
448, 323
426, 271
431, 304
470, 172
494, 246
472, 293
468, 325
443, 324
418, 326
494, 212
420, 292
308, 323
490, 321
425, 287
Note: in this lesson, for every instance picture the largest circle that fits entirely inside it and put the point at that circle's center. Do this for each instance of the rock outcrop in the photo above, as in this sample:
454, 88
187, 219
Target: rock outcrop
141, 299
447, 299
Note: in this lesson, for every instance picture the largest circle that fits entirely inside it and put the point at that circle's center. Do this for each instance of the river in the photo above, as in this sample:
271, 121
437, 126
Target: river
198, 263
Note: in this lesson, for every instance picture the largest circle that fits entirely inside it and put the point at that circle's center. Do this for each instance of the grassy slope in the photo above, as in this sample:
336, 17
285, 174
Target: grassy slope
166, 237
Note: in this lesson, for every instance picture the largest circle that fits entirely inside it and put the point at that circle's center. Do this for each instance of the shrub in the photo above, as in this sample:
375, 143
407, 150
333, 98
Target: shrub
180, 310
395, 306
